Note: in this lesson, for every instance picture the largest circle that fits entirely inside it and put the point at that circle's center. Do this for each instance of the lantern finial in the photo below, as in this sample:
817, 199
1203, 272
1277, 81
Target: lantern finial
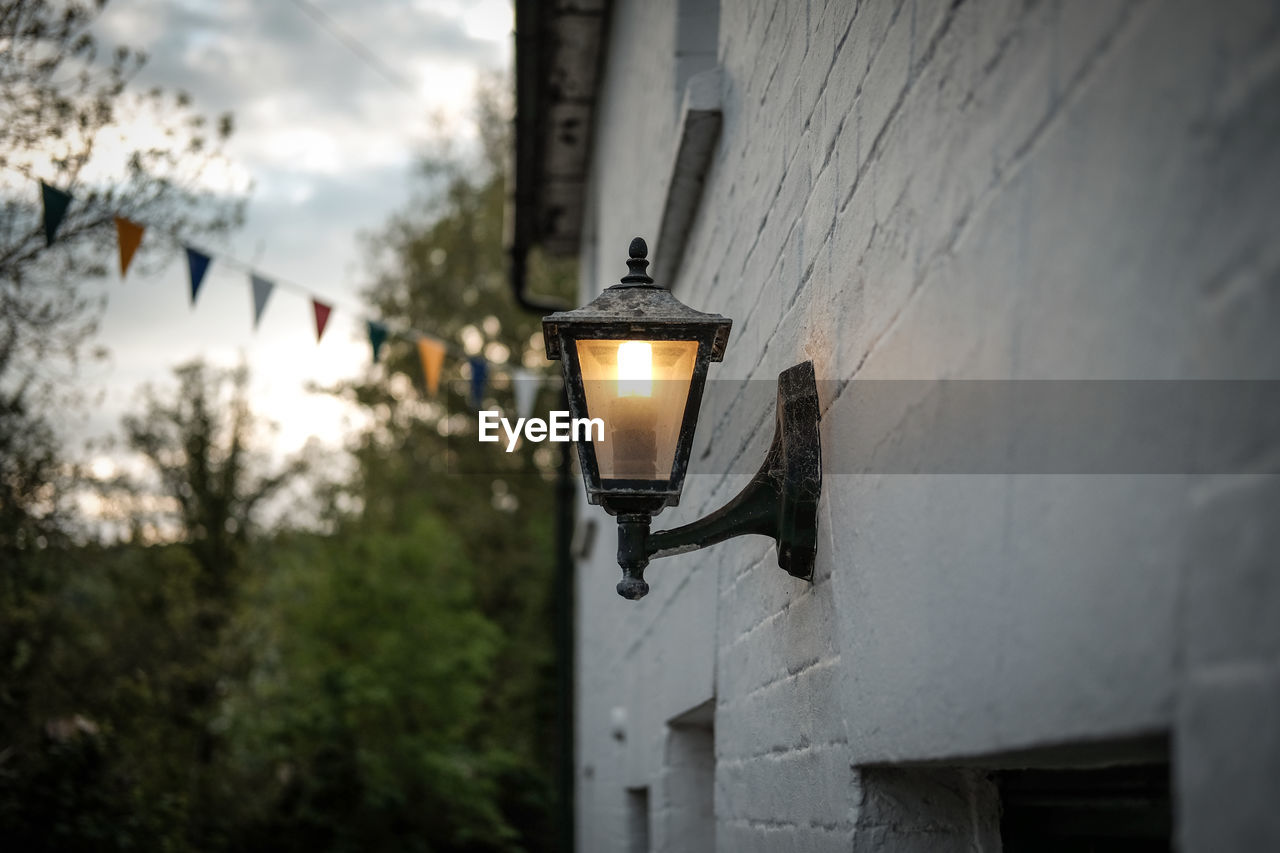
637, 263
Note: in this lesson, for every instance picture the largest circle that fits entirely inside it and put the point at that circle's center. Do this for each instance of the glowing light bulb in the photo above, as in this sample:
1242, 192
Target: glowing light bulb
635, 369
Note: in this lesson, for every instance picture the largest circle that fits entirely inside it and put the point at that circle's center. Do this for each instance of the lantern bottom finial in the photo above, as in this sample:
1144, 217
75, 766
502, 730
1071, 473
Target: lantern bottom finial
633, 532
632, 588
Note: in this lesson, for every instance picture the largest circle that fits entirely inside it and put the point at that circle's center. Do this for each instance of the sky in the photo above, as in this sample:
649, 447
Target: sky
329, 141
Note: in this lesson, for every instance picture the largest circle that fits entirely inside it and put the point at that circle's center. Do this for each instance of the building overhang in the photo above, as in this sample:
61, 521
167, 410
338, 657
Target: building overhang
558, 50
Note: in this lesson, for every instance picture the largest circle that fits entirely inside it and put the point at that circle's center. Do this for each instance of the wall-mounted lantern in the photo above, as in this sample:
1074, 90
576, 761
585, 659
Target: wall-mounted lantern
637, 358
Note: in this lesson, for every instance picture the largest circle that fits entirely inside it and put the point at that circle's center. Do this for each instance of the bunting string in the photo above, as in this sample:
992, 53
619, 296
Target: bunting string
432, 349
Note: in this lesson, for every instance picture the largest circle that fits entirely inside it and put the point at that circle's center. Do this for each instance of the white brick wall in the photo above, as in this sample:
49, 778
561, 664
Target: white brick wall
990, 189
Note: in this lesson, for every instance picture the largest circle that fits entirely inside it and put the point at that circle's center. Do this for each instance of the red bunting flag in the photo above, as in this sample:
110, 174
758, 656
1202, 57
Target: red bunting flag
322, 317
129, 235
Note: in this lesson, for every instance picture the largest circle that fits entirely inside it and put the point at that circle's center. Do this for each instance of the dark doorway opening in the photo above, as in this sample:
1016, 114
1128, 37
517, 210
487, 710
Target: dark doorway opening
638, 820
1096, 810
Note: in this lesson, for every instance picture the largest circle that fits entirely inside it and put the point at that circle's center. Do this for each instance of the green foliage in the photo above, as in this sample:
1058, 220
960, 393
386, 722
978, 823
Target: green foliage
104, 744
442, 267
386, 684
197, 439
363, 725
100, 673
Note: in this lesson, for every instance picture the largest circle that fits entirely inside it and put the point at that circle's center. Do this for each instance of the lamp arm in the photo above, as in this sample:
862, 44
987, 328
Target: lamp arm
780, 502
753, 510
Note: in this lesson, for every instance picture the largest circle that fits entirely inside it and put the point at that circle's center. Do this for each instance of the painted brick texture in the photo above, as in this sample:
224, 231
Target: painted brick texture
988, 189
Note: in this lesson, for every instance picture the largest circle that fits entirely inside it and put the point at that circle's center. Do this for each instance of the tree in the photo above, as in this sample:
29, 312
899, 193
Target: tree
198, 440
100, 753
440, 266
58, 103
363, 725
115, 741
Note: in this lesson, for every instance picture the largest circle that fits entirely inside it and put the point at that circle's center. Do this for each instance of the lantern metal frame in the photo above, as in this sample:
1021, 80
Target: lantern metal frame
635, 309
781, 501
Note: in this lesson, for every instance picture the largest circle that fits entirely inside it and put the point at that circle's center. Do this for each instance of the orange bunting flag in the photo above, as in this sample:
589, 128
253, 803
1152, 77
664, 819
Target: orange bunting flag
129, 234
322, 317
432, 354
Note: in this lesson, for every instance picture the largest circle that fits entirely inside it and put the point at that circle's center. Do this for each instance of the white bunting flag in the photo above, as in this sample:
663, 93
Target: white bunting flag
261, 293
525, 384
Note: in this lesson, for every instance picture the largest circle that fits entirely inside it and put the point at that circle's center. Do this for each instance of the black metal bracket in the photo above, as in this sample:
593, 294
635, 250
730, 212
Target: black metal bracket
780, 502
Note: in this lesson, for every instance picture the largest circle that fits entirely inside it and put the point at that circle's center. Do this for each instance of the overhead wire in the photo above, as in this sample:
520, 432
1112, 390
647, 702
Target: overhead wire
331, 26
327, 23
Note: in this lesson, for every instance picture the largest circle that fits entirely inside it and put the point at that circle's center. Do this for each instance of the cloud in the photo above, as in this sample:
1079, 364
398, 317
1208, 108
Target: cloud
330, 145
299, 93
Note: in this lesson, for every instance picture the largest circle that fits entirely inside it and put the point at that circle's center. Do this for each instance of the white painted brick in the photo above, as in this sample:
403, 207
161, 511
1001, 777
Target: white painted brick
1228, 748
759, 837
788, 714
819, 216
1231, 579
886, 78
1020, 89
784, 640
832, 24
806, 786
994, 189
891, 169
851, 54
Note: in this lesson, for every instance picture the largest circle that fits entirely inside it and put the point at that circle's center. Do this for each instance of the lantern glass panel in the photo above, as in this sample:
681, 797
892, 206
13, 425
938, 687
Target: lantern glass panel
639, 389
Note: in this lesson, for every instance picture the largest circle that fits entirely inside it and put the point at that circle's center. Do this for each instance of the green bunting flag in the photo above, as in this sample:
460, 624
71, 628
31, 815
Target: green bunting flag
261, 293
56, 203
197, 265
377, 337
479, 377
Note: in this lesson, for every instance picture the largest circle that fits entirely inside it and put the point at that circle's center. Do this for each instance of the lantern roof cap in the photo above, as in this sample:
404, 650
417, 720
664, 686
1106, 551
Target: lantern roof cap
638, 305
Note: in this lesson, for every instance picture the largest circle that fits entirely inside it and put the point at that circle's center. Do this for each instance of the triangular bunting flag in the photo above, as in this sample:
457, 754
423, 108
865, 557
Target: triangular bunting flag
56, 203
479, 378
129, 235
322, 312
431, 353
197, 265
261, 293
377, 337
525, 385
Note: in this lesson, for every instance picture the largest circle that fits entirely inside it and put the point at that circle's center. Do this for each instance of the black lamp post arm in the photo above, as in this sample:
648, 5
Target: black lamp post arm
753, 510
